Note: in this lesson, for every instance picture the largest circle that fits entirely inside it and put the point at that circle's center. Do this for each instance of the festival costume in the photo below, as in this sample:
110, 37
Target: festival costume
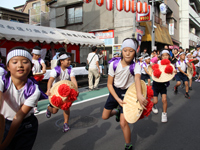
180, 76
144, 75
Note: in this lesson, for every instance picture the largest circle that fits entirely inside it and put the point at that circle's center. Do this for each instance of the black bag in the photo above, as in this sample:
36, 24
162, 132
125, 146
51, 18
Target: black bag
87, 66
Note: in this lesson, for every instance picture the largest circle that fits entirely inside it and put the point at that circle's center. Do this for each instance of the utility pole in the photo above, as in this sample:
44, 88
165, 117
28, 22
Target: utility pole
153, 30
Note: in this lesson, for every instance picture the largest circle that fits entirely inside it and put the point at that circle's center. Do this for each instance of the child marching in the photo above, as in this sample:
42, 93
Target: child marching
122, 73
18, 96
62, 71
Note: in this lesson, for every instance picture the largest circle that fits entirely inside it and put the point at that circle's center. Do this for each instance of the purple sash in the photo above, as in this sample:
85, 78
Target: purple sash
58, 70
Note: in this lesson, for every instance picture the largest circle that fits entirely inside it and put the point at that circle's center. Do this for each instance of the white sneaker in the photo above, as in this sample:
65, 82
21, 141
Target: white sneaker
197, 80
155, 109
35, 110
164, 117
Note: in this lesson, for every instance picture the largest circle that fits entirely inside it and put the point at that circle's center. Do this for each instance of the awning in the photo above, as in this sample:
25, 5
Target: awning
161, 33
19, 31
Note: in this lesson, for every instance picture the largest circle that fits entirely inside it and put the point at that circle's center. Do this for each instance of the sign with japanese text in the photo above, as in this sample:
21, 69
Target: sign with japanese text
142, 17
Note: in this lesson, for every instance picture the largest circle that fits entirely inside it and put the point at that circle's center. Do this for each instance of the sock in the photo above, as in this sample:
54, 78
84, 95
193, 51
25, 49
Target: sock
128, 144
117, 110
186, 92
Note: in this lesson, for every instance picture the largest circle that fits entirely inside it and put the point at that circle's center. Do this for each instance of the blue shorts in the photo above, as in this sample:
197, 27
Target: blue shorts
25, 135
159, 88
180, 76
111, 103
102, 66
144, 77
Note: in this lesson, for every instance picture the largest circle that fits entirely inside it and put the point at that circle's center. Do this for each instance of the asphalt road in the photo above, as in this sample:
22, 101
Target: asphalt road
90, 132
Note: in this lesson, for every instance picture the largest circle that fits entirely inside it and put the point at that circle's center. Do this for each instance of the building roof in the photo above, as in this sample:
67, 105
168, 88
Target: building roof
19, 31
15, 11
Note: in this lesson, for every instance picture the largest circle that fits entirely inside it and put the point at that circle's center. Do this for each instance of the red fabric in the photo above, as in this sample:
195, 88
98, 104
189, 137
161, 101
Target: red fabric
56, 101
149, 104
39, 78
72, 96
66, 106
64, 90
157, 73
155, 66
165, 62
169, 69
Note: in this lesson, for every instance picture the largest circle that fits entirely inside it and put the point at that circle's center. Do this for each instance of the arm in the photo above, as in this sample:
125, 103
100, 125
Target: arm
43, 68
189, 64
73, 79
142, 100
17, 120
179, 68
145, 69
49, 84
112, 91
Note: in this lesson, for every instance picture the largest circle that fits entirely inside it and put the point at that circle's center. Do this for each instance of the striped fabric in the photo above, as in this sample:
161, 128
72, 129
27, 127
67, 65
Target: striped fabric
119, 5
127, 5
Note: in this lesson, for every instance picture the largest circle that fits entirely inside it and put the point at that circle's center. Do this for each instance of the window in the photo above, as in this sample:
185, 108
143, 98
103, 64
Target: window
75, 15
35, 5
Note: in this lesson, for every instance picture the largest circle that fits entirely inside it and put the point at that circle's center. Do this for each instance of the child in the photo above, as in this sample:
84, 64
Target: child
18, 95
162, 89
119, 79
189, 59
140, 60
144, 72
37, 64
61, 72
181, 74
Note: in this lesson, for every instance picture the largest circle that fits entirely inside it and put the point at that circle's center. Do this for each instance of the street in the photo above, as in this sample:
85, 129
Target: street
90, 132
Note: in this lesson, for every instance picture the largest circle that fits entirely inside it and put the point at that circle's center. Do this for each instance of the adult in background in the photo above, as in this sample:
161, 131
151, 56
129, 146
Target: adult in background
144, 53
50, 54
94, 70
180, 50
196, 54
101, 60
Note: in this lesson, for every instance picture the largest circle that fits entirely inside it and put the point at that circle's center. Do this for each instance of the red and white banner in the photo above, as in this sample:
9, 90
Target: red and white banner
119, 5
99, 2
133, 6
127, 5
109, 5
139, 7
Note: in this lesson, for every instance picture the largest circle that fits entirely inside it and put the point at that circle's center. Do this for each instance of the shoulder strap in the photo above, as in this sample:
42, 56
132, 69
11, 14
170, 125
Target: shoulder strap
58, 70
115, 63
91, 59
6, 81
132, 67
39, 60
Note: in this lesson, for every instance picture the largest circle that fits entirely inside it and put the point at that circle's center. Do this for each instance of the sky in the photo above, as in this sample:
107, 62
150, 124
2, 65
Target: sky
11, 3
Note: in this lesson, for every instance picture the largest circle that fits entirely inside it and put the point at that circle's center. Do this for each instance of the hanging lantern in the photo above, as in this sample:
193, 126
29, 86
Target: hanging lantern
145, 7
133, 6
87, 1
119, 5
139, 7
99, 2
127, 5
109, 5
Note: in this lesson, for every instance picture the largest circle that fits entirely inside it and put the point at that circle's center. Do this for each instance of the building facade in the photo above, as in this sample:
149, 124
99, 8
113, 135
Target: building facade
189, 28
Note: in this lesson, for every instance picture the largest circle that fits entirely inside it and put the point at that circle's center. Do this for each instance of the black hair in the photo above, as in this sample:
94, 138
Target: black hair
134, 41
61, 49
94, 48
61, 53
23, 48
37, 47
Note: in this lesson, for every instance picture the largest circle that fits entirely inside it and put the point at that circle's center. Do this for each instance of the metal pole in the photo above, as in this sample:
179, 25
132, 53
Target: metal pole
153, 31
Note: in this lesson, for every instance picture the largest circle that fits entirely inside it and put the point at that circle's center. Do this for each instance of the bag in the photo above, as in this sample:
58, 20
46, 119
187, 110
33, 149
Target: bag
87, 66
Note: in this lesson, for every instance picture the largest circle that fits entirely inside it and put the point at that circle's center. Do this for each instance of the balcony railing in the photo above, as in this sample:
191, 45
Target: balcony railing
194, 38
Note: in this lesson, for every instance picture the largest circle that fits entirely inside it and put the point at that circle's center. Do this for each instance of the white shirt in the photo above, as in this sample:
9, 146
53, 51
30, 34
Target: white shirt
63, 75
183, 65
194, 55
94, 60
37, 67
122, 76
100, 59
13, 99
1, 71
144, 65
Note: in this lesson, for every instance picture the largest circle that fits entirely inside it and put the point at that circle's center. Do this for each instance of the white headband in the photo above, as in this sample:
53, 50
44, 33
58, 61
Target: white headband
188, 54
181, 53
147, 58
64, 56
164, 51
36, 51
129, 43
18, 52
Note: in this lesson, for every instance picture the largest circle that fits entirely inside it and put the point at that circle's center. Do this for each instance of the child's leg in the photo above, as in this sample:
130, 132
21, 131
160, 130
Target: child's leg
164, 101
125, 128
52, 110
186, 86
149, 82
155, 99
66, 114
178, 83
108, 113
190, 83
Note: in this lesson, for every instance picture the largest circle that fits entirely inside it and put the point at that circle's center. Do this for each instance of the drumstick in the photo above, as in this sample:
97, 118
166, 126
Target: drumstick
2, 127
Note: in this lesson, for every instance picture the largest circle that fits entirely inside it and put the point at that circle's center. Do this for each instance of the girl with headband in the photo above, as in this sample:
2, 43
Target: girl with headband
62, 71
19, 94
122, 73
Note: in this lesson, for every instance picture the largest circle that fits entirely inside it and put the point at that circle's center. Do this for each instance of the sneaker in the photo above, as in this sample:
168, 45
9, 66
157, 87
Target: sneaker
48, 113
129, 147
187, 95
35, 110
197, 80
155, 109
117, 115
164, 117
66, 127
90, 90
190, 88
175, 90
96, 88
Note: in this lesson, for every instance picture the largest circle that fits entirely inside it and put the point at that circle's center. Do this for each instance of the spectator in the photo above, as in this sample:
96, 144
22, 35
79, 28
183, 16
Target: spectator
94, 70
144, 53
117, 54
196, 54
101, 60
180, 50
49, 55
61, 49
